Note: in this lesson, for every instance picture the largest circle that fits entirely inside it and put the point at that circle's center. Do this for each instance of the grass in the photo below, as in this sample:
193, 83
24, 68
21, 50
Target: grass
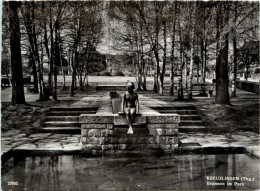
231, 118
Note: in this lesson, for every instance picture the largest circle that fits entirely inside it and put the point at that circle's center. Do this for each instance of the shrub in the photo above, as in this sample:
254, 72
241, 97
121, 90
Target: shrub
119, 73
105, 74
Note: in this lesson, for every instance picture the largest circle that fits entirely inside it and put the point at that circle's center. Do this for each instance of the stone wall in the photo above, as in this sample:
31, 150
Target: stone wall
107, 133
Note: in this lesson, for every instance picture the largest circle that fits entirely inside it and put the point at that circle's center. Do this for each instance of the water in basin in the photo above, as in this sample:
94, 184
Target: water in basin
75, 172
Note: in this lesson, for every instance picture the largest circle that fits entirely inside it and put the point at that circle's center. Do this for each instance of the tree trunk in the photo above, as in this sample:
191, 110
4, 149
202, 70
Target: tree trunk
35, 77
155, 82
73, 76
234, 67
172, 64
63, 73
164, 59
16, 58
72, 83
180, 79
139, 73
233, 94
57, 60
205, 63
81, 82
222, 94
144, 82
189, 94
50, 75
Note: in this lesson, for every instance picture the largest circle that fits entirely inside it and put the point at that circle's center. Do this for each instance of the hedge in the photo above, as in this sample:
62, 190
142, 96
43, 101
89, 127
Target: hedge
248, 86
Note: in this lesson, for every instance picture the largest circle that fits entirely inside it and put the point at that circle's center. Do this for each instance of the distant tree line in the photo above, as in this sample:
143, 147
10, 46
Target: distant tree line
175, 33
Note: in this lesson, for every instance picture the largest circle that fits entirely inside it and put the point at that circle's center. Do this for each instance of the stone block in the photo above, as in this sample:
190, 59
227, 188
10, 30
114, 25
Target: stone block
175, 146
145, 140
109, 147
157, 139
168, 139
83, 140
84, 132
160, 131
163, 119
152, 131
96, 119
172, 140
110, 126
169, 148
107, 140
94, 132
122, 140
106, 132
166, 146
95, 140
88, 148
163, 126
171, 132
97, 152
93, 126
151, 140
122, 146
121, 120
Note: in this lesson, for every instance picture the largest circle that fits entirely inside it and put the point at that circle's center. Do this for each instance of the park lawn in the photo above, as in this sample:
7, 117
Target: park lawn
231, 118
27, 118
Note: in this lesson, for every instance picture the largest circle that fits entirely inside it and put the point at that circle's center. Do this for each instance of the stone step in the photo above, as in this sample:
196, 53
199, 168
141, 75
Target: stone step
190, 117
192, 128
180, 112
61, 124
191, 123
69, 113
62, 118
73, 108
61, 130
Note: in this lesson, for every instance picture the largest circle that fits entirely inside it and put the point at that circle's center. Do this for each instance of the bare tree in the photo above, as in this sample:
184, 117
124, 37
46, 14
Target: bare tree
16, 59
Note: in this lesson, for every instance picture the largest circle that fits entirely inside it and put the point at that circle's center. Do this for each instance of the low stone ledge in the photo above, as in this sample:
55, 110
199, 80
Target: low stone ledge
121, 120
96, 119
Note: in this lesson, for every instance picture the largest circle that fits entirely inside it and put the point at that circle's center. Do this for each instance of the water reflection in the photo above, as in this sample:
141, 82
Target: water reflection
131, 173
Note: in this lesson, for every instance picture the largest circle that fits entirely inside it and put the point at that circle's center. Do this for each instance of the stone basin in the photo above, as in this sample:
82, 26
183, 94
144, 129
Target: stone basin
105, 131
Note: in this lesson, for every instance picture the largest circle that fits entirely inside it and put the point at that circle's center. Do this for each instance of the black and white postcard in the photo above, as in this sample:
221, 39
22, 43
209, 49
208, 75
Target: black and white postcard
129, 95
